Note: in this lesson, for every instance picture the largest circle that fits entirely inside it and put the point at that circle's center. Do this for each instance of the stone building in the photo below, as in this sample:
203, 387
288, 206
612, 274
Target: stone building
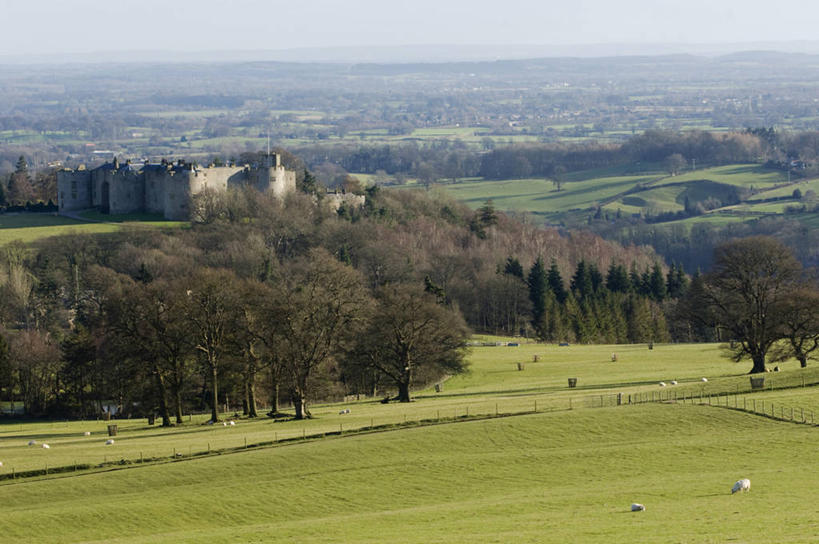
164, 188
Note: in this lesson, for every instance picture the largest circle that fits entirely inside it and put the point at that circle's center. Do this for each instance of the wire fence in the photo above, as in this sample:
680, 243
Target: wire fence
260, 435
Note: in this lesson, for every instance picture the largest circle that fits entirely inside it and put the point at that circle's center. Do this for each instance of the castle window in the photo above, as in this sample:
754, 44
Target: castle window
73, 188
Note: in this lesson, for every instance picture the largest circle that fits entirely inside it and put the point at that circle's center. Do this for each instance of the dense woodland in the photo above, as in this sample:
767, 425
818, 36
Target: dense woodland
266, 302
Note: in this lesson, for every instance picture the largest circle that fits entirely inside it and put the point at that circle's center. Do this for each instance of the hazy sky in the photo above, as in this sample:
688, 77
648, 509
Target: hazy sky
68, 26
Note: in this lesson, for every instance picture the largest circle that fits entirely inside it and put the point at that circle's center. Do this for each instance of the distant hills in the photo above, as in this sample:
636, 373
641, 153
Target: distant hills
431, 53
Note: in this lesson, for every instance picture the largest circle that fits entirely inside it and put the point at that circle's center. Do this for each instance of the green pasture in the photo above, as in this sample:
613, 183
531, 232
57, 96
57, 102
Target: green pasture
549, 477
29, 228
632, 190
739, 175
493, 386
541, 196
558, 471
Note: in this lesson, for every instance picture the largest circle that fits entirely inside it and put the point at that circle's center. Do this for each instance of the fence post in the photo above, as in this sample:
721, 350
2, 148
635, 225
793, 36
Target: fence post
535, 405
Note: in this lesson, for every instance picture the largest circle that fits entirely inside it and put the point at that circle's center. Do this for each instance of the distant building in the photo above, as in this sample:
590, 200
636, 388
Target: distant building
164, 187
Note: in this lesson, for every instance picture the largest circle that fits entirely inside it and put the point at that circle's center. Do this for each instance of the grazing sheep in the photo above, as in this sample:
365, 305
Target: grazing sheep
32, 442
86, 433
231, 423
46, 446
637, 507
662, 384
741, 485
210, 422
224, 424
704, 379
109, 442
1, 463
776, 369
673, 382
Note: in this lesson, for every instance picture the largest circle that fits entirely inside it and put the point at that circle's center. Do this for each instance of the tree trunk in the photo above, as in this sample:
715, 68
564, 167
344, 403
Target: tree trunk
178, 378
274, 392
163, 400
299, 405
178, 404
404, 392
803, 361
759, 364
251, 397
214, 413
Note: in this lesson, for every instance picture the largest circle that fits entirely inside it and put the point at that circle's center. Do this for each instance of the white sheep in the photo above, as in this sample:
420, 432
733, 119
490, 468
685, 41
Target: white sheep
637, 507
232, 423
1, 463
224, 424
705, 379
86, 433
741, 485
673, 382
32, 442
46, 446
109, 442
662, 384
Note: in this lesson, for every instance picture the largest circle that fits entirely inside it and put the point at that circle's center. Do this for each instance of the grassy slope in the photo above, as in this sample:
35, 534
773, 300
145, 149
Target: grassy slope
616, 189
493, 385
31, 227
561, 477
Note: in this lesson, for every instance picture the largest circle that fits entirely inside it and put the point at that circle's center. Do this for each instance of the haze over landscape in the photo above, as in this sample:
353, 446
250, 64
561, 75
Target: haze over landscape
310, 31
429, 272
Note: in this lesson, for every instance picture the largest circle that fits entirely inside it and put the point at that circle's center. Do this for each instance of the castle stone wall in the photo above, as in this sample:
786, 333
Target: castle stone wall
74, 190
164, 188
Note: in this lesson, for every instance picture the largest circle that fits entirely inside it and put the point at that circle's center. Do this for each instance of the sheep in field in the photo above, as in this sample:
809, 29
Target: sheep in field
637, 507
741, 485
46, 446
109, 442
32, 442
673, 382
662, 384
86, 433
232, 423
705, 379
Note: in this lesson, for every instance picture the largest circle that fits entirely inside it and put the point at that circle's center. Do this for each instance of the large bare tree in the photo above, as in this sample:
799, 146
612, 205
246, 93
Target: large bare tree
745, 294
410, 335
316, 306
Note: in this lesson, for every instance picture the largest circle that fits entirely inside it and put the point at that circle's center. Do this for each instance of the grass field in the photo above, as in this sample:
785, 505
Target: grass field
29, 228
649, 191
558, 475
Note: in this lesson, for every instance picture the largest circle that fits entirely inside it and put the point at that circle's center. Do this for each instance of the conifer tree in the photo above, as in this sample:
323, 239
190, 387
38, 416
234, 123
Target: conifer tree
555, 282
537, 294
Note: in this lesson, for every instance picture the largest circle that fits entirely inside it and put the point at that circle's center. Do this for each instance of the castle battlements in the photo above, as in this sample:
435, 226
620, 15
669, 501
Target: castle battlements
165, 187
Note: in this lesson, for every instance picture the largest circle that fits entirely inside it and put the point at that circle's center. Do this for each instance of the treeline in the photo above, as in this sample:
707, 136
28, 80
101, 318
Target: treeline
24, 191
291, 302
673, 150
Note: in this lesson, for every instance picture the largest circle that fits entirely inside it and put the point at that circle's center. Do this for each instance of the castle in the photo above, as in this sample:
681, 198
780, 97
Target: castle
165, 187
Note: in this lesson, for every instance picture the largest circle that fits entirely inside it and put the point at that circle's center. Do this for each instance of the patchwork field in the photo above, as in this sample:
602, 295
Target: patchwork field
650, 192
566, 473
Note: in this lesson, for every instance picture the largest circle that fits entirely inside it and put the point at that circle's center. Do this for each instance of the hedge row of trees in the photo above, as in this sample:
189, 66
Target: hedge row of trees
673, 150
